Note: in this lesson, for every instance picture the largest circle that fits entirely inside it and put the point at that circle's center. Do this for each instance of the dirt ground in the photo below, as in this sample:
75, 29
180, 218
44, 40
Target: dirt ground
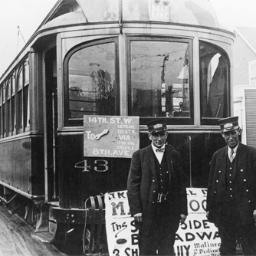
17, 238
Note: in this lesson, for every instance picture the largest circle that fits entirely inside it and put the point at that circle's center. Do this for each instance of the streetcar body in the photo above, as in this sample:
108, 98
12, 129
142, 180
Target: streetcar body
152, 59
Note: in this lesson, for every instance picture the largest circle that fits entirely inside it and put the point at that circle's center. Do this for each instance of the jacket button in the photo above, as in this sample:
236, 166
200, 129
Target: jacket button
153, 202
153, 180
217, 181
154, 191
244, 180
247, 190
231, 196
241, 170
249, 201
219, 171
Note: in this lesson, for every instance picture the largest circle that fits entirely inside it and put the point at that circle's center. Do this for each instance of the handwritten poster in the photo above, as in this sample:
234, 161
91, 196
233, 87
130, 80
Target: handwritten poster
122, 234
197, 236
110, 136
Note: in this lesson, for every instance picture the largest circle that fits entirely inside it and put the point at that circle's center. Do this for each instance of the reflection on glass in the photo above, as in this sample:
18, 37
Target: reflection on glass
214, 81
160, 79
20, 79
26, 72
92, 81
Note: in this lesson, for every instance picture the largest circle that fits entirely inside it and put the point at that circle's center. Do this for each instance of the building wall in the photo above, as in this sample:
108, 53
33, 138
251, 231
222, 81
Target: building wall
250, 115
242, 56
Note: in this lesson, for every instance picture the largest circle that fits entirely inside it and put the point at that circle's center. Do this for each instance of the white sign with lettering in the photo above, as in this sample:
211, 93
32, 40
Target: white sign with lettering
122, 234
110, 136
197, 236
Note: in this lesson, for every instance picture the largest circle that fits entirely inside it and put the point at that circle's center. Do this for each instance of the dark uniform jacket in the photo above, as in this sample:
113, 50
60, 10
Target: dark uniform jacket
143, 185
242, 182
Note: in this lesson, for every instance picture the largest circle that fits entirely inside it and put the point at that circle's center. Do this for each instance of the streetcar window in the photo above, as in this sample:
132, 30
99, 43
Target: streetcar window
26, 107
1, 115
4, 109
26, 73
160, 79
8, 106
22, 99
214, 83
19, 101
13, 104
92, 81
26, 96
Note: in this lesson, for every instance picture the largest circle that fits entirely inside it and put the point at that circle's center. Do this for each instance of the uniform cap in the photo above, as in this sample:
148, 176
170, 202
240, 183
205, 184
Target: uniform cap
157, 127
229, 124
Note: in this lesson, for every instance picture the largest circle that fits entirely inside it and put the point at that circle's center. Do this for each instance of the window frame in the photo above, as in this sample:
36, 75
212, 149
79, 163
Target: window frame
79, 121
19, 90
4, 109
10, 89
26, 83
13, 103
1, 112
8, 106
214, 120
169, 120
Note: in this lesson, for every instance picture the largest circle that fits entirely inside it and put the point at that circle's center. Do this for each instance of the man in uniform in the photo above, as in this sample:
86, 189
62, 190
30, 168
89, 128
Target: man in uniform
156, 192
231, 198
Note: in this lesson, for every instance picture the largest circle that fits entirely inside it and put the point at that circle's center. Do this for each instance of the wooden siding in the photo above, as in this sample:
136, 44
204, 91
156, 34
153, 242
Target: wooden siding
250, 116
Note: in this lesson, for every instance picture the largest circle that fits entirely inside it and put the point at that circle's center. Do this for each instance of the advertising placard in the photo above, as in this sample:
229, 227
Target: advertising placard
197, 236
122, 234
110, 136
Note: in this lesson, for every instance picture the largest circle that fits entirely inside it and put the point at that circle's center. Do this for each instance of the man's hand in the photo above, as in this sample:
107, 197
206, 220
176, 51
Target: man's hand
182, 218
207, 214
138, 217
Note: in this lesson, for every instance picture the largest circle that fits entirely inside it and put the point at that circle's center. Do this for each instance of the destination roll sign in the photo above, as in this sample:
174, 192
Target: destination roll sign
110, 136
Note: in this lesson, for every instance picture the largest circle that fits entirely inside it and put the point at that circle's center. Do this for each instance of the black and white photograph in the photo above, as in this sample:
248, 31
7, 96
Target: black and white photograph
128, 128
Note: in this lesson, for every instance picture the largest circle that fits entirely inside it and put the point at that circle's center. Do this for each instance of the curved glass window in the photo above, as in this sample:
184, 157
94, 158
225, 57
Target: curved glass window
92, 81
214, 83
160, 80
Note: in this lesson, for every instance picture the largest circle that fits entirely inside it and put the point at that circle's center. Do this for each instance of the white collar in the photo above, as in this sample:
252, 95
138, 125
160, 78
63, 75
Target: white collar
155, 148
234, 149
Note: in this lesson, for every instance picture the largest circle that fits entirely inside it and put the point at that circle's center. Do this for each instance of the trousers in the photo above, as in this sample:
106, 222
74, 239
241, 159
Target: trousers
160, 239
233, 231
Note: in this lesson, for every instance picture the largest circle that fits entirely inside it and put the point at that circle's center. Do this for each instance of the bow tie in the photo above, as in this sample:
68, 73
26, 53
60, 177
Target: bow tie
160, 149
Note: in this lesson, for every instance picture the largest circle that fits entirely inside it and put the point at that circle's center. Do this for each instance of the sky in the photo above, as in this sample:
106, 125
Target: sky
28, 14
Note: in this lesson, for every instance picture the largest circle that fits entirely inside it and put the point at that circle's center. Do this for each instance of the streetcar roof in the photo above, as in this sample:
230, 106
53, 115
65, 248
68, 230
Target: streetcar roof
192, 12
199, 13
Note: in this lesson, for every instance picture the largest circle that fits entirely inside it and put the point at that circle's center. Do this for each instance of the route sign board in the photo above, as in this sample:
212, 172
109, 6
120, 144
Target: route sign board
110, 136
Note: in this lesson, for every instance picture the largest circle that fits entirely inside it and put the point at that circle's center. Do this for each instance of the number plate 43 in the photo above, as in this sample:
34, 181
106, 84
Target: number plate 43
97, 165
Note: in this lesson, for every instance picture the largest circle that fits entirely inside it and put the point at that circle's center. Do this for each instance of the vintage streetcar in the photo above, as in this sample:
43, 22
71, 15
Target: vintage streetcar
167, 59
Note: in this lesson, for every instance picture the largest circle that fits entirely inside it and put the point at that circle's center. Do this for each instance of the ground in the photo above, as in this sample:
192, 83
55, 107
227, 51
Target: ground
17, 238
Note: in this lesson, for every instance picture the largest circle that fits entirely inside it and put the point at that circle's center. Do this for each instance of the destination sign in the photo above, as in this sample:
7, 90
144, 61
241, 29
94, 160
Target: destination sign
110, 136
